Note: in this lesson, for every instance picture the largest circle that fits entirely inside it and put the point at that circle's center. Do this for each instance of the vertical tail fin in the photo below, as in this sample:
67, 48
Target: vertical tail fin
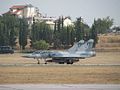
87, 46
75, 47
82, 46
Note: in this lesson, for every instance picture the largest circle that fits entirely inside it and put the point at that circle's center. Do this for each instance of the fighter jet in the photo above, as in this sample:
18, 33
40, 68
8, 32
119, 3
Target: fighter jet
80, 50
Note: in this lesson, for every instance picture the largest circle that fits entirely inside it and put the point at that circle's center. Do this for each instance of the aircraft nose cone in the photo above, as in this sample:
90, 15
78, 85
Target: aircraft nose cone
28, 56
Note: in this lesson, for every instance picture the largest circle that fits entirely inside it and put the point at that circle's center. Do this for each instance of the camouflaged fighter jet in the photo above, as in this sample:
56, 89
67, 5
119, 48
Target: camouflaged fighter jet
79, 50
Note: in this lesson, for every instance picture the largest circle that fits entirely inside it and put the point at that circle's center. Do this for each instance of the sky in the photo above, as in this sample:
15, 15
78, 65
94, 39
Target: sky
87, 9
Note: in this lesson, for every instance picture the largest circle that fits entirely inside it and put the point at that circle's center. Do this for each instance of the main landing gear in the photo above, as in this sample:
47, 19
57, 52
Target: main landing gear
69, 61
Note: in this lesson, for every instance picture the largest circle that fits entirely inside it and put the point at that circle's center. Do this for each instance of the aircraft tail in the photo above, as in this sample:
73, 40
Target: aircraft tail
82, 46
75, 46
87, 46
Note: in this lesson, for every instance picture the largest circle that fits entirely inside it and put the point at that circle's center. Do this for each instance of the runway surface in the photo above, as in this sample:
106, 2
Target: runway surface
27, 65
60, 87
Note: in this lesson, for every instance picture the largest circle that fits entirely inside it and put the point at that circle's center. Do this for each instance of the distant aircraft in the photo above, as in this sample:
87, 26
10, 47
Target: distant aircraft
79, 50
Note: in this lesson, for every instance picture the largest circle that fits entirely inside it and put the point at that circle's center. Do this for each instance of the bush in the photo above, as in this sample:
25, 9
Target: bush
41, 45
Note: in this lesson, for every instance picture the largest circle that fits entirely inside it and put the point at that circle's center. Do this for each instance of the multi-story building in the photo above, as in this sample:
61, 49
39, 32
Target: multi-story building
26, 11
32, 14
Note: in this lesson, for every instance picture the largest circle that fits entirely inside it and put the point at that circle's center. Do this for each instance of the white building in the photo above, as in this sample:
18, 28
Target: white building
49, 21
67, 22
30, 12
26, 11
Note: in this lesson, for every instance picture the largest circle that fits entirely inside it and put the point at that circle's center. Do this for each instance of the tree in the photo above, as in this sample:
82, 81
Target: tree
57, 34
103, 25
72, 34
59, 24
79, 29
100, 26
23, 32
41, 45
8, 29
33, 33
41, 31
1, 32
12, 38
68, 36
93, 34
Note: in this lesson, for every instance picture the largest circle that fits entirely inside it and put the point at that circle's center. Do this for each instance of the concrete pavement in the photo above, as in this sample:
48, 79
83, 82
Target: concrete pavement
60, 86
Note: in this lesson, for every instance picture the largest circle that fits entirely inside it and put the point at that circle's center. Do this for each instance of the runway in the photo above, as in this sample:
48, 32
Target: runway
60, 87
47, 65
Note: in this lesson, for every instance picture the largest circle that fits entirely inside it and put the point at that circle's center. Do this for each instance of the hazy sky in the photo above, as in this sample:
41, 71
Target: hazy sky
87, 9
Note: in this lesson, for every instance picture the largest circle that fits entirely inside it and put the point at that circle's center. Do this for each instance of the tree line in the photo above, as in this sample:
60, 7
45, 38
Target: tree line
12, 27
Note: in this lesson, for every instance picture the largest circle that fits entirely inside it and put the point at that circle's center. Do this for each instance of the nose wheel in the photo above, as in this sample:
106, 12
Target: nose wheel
45, 61
38, 61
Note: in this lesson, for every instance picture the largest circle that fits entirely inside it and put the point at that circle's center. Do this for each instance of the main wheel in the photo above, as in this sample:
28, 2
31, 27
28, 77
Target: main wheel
69, 62
61, 62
